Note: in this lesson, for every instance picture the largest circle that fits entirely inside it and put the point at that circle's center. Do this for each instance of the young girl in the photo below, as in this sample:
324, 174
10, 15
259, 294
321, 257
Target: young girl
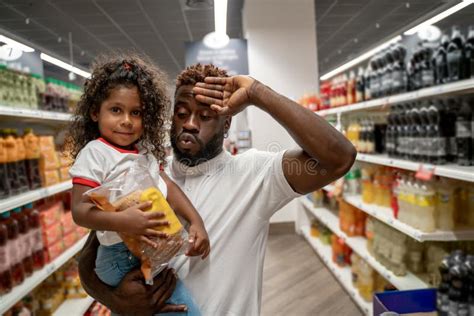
120, 117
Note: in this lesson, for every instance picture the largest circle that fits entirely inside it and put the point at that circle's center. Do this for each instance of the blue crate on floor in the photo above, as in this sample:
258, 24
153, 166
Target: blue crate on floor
403, 302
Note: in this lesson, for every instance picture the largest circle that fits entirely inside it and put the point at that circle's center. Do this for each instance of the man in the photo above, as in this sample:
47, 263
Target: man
235, 195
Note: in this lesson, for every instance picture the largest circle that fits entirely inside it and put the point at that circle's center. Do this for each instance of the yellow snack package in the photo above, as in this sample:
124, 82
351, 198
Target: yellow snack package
132, 188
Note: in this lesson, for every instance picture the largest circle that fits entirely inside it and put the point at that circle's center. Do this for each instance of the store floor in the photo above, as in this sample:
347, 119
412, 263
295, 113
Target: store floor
296, 282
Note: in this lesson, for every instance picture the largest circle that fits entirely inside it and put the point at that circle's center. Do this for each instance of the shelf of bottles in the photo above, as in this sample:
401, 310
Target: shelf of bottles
390, 77
34, 114
359, 245
8, 300
342, 274
33, 195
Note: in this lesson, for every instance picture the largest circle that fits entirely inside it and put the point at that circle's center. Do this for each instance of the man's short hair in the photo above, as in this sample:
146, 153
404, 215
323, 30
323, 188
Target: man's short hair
197, 73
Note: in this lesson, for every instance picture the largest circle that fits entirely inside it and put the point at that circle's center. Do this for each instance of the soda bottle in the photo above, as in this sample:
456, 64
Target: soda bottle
455, 55
416, 69
32, 151
440, 60
390, 134
435, 133
470, 280
415, 134
380, 75
449, 126
399, 81
469, 51
360, 86
367, 83
36, 239
379, 136
387, 83
464, 134
458, 291
442, 296
24, 247
6, 279
4, 183
374, 80
425, 143
427, 71
18, 273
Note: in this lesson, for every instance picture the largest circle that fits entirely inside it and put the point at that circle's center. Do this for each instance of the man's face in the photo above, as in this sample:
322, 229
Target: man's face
197, 132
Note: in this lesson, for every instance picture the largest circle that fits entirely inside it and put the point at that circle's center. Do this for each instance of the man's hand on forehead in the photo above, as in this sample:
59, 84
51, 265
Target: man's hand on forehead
226, 96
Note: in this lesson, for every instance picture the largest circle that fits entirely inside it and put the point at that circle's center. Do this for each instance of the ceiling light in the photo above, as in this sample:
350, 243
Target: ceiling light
64, 65
15, 44
439, 17
220, 16
361, 58
216, 40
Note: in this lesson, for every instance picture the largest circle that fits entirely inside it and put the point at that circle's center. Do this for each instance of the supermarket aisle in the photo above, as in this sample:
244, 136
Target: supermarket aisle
296, 282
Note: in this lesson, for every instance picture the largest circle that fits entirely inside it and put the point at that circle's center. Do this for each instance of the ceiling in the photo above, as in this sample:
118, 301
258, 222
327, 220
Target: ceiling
348, 28
157, 28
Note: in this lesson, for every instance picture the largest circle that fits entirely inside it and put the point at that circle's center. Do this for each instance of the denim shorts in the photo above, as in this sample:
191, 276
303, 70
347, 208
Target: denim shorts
114, 262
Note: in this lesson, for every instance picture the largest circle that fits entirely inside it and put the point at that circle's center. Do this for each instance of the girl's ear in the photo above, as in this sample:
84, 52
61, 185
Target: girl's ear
94, 115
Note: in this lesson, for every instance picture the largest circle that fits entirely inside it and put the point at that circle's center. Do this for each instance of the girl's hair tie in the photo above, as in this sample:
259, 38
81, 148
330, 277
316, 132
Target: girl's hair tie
127, 66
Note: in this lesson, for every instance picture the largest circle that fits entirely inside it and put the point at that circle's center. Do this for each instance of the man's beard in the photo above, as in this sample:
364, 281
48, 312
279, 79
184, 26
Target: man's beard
206, 152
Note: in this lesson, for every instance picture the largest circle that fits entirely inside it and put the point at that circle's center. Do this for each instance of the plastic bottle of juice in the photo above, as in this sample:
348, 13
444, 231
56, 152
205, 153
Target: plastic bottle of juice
367, 186
36, 240
357, 129
413, 211
16, 265
12, 157
24, 247
4, 183
402, 198
445, 206
427, 207
365, 280
6, 279
377, 184
32, 151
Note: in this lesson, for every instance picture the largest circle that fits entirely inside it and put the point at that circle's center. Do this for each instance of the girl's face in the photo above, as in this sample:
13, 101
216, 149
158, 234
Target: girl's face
120, 116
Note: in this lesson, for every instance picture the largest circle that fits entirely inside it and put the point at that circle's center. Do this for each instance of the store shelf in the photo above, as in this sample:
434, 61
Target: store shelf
385, 214
359, 245
458, 87
18, 292
76, 306
34, 195
343, 275
34, 114
448, 171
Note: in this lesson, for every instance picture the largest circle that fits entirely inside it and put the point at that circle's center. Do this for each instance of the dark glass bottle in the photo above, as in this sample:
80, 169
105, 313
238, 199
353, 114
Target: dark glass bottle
464, 133
469, 54
442, 298
427, 71
455, 55
440, 60
449, 126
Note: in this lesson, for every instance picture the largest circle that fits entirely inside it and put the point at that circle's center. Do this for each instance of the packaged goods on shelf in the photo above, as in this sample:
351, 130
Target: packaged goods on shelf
310, 101
20, 90
60, 96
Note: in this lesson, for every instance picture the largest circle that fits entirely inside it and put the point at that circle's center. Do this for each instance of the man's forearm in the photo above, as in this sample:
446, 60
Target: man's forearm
318, 138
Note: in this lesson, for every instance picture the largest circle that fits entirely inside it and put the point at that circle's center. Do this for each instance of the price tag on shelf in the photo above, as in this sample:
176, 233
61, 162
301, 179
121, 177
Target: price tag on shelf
425, 172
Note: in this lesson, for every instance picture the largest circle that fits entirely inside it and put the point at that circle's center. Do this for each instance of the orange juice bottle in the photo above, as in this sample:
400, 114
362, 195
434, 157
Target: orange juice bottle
367, 185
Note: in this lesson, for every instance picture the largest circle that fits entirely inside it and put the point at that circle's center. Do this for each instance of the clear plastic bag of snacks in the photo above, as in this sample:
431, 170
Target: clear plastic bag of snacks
133, 187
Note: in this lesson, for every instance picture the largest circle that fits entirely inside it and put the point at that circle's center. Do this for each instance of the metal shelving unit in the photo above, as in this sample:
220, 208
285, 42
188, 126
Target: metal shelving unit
343, 275
359, 245
34, 195
18, 292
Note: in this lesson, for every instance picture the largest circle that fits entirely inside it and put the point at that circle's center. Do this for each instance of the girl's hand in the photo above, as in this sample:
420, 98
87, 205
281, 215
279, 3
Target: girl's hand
199, 241
142, 224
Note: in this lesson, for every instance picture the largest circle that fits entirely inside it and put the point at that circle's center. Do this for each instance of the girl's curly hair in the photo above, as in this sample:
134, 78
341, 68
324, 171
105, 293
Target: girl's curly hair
109, 72
197, 73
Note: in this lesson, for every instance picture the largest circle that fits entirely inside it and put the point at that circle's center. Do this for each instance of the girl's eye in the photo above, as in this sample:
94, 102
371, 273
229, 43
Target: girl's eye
136, 113
205, 117
181, 115
115, 110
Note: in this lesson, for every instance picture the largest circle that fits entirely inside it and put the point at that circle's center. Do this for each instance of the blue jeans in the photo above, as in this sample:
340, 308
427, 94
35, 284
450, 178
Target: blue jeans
114, 262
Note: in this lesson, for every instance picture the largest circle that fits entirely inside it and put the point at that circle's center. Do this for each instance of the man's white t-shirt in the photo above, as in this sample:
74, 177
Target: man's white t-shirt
235, 196
100, 162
